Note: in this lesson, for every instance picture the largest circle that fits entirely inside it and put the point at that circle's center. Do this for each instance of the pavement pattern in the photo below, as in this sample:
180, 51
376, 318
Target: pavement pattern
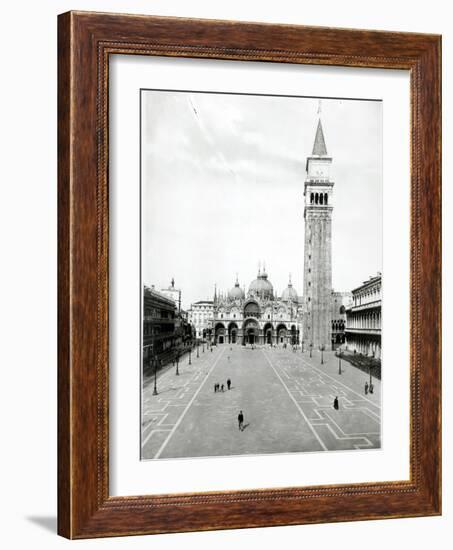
286, 397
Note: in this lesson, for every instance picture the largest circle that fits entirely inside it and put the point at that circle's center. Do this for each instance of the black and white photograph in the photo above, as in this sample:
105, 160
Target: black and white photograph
229, 221
261, 266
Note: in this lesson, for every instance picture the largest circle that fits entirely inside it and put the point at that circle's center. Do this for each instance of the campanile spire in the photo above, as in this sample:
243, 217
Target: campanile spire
319, 145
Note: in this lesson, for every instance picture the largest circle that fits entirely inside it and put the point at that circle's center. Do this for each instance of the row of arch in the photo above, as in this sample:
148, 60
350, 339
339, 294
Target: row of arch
370, 346
318, 198
338, 325
364, 320
250, 333
252, 309
370, 295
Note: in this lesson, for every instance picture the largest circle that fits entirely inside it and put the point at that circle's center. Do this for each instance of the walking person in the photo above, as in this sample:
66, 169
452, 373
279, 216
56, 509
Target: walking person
228, 383
335, 403
371, 390
222, 387
366, 388
241, 421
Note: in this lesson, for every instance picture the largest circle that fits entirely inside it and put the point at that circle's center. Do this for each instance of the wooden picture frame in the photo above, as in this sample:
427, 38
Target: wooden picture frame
85, 42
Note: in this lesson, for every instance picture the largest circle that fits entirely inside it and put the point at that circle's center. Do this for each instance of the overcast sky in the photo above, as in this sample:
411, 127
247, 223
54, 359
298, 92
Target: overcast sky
222, 188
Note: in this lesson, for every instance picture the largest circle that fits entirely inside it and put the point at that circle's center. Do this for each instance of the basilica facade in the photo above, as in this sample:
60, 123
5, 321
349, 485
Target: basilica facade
257, 316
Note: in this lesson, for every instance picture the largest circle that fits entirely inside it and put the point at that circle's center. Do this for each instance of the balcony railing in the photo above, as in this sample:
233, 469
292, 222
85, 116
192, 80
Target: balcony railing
376, 331
150, 318
368, 305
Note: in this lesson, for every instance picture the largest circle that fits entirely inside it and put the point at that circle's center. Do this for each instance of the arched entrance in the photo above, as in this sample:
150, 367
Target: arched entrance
281, 334
232, 333
250, 331
267, 332
219, 333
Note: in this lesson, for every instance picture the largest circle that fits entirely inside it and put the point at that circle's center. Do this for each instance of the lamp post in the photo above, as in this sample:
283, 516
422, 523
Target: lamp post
374, 354
177, 365
155, 376
302, 346
322, 354
311, 349
198, 348
190, 353
203, 346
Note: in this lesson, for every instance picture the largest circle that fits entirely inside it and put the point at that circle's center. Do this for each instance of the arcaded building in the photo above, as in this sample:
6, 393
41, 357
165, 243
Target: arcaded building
339, 303
159, 325
257, 316
363, 318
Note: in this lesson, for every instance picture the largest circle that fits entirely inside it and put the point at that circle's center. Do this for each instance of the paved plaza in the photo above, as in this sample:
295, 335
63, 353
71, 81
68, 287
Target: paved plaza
286, 397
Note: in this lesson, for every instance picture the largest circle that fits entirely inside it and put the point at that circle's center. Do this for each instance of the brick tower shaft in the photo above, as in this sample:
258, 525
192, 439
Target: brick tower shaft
318, 191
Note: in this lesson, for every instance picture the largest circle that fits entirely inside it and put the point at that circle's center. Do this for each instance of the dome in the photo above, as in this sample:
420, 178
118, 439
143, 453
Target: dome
261, 286
290, 293
236, 292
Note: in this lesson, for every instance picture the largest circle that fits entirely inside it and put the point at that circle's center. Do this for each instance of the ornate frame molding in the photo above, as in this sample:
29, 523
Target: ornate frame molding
86, 41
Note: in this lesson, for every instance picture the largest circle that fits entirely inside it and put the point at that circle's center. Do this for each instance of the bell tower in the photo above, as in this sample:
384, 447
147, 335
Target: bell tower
318, 209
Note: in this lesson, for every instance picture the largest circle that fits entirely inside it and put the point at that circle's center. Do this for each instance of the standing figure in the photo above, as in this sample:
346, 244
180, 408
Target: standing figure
222, 388
229, 383
366, 388
371, 390
241, 420
335, 403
